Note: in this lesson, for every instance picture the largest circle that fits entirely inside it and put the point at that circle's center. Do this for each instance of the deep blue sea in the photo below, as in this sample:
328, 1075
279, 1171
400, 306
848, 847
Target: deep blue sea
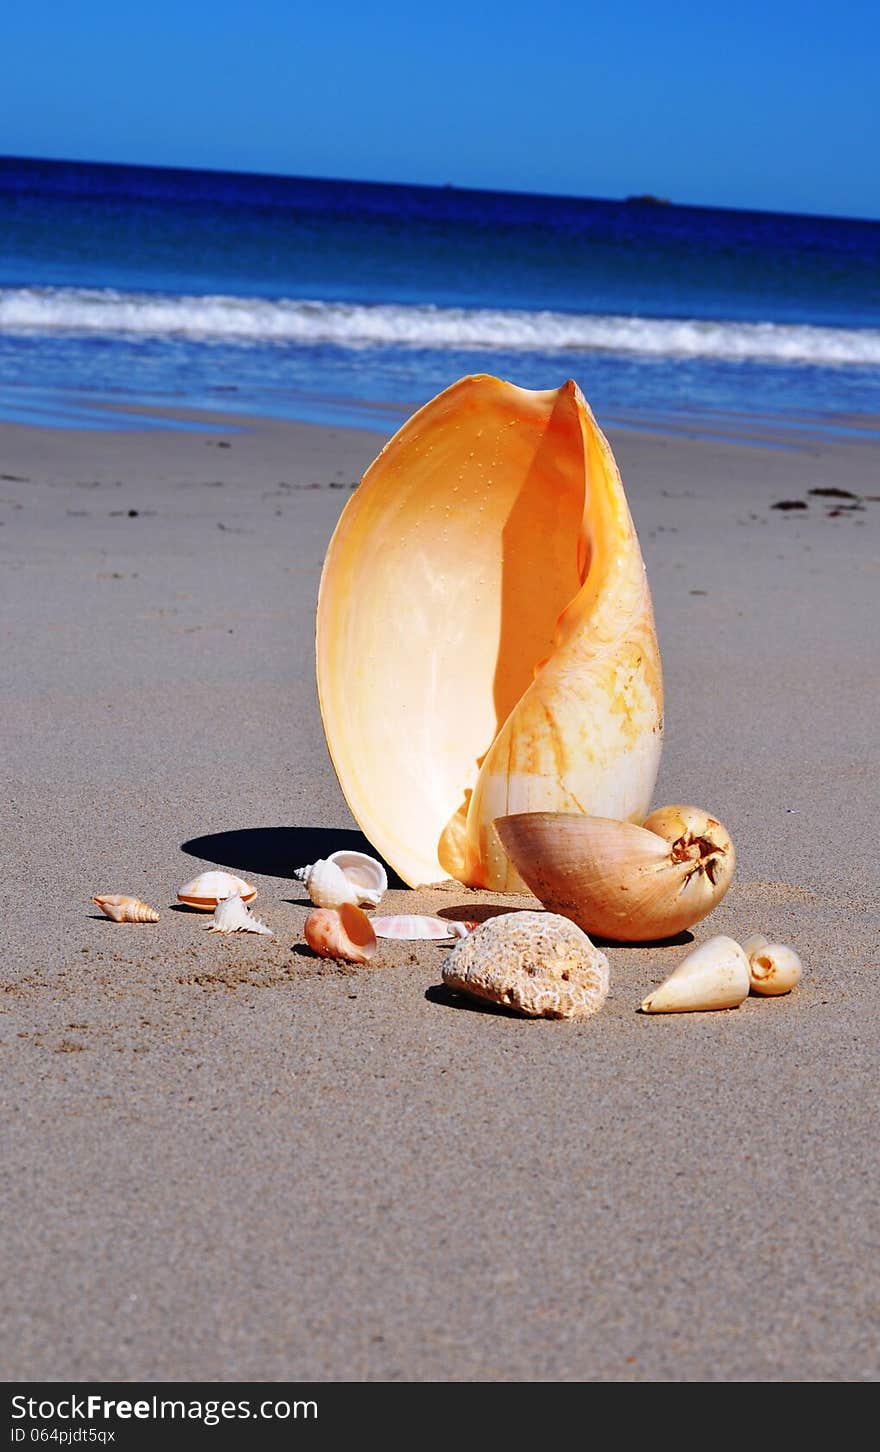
352, 303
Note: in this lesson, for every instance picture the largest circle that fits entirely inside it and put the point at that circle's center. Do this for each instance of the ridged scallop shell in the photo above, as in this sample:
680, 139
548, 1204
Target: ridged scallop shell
538, 963
123, 909
231, 916
344, 932
209, 888
485, 637
409, 927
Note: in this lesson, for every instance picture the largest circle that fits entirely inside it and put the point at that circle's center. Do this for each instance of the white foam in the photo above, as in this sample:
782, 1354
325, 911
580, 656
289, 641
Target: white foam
355, 325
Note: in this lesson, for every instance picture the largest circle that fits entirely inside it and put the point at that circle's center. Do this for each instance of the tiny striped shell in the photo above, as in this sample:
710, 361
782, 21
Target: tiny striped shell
122, 909
410, 926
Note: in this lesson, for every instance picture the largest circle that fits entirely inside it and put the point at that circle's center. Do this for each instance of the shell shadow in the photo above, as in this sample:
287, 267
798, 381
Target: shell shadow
678, 940
475, 912
483, 912
448, 998
277, 851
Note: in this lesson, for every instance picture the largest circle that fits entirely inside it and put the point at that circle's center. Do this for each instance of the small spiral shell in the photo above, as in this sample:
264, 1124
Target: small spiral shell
122, 909
343, 877
327, 885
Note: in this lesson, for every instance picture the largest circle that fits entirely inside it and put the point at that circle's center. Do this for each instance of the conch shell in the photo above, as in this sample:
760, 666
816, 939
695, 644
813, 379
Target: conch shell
774, 968
619, 881
715, 975
209, 888
538, 963
485, 637
344, 877
231, 916
343, 932
124, 909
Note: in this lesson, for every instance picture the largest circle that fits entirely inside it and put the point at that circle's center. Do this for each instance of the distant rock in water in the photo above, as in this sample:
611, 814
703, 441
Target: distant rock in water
646, 199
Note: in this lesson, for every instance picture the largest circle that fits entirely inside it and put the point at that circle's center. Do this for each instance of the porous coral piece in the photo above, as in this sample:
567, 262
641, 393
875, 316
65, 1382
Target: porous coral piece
538, 963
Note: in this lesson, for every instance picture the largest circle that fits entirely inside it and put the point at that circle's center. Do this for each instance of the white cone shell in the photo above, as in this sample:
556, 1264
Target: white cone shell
715, 975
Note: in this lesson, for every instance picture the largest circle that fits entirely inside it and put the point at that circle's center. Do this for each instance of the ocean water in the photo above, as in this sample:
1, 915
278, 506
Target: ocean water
353, 303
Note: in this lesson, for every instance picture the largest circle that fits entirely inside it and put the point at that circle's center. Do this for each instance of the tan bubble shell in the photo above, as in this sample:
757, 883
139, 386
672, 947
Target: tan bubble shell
540, 964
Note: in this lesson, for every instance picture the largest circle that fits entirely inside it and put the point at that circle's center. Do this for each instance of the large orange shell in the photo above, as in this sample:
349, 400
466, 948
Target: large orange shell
485, 638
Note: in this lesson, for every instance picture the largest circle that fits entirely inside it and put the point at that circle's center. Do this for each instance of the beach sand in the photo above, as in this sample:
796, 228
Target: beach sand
228, 1159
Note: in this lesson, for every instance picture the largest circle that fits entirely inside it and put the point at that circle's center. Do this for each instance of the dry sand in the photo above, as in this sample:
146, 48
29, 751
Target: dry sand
227, 1159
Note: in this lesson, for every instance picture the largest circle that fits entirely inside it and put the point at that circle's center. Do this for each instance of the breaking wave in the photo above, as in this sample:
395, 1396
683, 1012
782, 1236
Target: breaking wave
259, 321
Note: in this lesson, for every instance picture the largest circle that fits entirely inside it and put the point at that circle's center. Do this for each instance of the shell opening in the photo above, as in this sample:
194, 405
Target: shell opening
707, 856
357, 926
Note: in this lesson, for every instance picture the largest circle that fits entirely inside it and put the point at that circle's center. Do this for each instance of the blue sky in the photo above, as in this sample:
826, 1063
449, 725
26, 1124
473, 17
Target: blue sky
768, 105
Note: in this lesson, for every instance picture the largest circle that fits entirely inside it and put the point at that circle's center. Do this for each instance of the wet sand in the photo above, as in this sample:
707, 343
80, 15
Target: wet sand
227, 1159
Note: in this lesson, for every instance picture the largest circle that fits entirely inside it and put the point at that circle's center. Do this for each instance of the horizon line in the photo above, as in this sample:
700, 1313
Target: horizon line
630, 199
